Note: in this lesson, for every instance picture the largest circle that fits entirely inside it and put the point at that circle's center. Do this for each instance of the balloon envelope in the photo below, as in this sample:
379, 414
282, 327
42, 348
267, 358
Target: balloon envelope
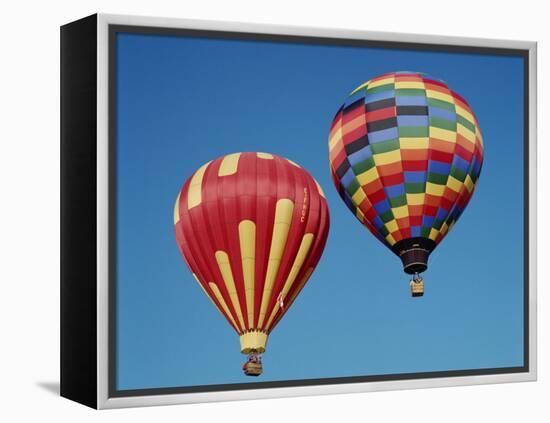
251, 227
405, 155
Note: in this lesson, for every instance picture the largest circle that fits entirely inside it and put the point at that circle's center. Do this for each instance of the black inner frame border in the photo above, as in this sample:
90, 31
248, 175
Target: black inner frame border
114, 29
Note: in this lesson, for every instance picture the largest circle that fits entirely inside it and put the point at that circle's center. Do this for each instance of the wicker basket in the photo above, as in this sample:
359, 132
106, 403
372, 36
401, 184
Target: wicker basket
253, 369
417, 288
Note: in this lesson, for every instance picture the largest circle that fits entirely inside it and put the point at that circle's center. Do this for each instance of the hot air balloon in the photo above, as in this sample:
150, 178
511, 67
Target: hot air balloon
405, 155
251, 228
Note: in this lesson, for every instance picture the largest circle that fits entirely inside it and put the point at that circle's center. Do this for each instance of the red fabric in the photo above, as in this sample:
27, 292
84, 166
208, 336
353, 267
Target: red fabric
381, 114
250, 194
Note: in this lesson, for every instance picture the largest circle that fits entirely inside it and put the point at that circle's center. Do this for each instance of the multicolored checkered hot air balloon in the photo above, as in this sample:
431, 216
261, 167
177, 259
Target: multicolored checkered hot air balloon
405, 155
251, 227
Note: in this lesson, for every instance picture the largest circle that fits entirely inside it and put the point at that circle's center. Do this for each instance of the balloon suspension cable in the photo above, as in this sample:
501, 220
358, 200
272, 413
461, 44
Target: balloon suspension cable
255, 357
417, 277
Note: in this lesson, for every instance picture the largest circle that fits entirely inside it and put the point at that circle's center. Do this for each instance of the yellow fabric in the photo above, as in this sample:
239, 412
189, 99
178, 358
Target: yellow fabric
229, 164
305, 245
265, 156
433, 234
358, 197
454, 184
383, 81
414, 143
206, 293
415, 199
464, 113
387, 158
194, 194
253, 341
247, 239
225, 269
391, 226
479, 136
177, 209
400, 212
443, 134
220, 299
466, 133
321, 192
368, 176
281, 226
410, 84
435, 189
337, 136
359, 88
469, 183
359, 214
440, 96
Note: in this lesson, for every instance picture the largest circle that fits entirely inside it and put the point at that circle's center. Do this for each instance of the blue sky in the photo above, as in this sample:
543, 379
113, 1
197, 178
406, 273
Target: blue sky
184, 101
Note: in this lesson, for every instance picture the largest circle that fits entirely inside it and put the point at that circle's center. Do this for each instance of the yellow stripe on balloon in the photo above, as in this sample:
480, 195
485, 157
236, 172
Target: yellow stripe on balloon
208, 294
333, 140
414, 143
177, 209
415, 199
433, 234
358, 197
301, 255
400, 212
387, 158
247, 240
454, 184
266, 156
359, 214
469, 183
464, 113
359, 88
435, 189
368, 176
391, 226
319, 189
442, 134
466, 133
194, 193
281, 226
418, 85
225, 269
440, 96
479, 137
229, 164
380, 82
222, 302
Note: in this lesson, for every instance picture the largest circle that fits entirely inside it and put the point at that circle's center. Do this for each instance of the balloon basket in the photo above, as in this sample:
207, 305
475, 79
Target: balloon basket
252, 369
253, 366
417, 288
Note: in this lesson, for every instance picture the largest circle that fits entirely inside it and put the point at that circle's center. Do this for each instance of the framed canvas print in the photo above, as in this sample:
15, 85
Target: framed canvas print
253, 211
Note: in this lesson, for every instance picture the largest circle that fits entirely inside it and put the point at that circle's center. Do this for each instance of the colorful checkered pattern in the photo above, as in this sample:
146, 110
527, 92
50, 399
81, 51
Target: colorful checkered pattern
405, 155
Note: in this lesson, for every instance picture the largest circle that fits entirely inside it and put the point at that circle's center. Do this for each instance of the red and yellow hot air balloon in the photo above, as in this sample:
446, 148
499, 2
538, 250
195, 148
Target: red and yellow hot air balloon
405, 155
251, 227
